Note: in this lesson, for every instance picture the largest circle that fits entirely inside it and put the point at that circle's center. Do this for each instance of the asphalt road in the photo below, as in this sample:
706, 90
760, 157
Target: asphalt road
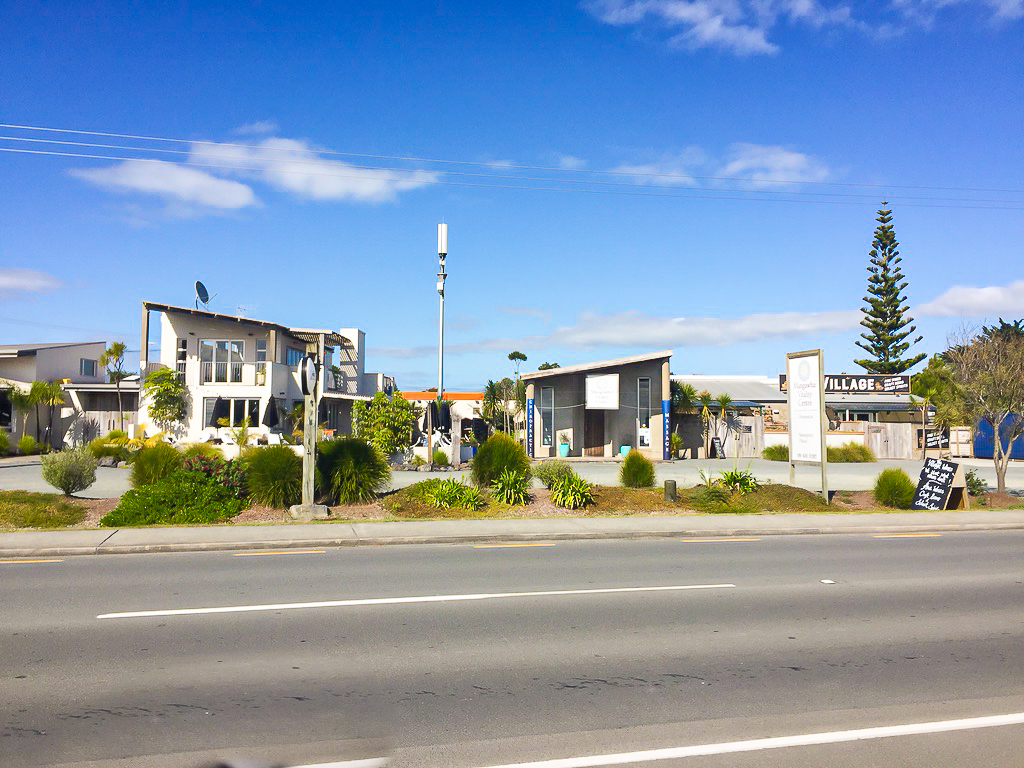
913, 630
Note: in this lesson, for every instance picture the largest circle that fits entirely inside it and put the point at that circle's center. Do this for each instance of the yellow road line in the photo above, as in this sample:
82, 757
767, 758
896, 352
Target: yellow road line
27, 562
724, 539
906, 535
286, 552
509, 546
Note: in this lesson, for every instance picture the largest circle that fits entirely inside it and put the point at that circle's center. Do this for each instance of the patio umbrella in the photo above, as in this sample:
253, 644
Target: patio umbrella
272, 417
221, 410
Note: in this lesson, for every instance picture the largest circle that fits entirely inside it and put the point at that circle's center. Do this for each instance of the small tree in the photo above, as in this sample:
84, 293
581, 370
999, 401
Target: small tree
705, 401
52, 396
23, 401
885, 315
724, 402
386, 422
988, 379
548, 366
168, 397
113, 360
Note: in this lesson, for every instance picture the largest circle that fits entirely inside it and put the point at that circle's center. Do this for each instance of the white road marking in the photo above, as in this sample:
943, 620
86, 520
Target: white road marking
832, 737
404, 600
373, 762
827, 581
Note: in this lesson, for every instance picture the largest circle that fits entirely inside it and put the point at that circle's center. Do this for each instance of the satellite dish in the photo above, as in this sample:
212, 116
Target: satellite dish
202, 295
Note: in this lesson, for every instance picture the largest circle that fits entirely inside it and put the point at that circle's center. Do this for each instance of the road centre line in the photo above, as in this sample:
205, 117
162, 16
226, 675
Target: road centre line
728, 539
405, 600
906, 535
511, 546
754, 745
27, 562
285, 552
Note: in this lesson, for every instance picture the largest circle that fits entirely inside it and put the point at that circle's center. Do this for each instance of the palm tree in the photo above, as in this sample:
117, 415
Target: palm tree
38, 393
53, 396
704, 400
489, 406
113, 360
23, 402
724, 402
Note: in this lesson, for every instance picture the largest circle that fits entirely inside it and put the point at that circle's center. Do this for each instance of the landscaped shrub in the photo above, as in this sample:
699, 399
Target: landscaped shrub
440, 459
675, 441
498, 453
274, 476
894, 488
449, 494
637, 471
549, 471
102, 448
776, 453
850, 453
70, 471
209, 450
229, 474
975, 485
5, 443
28, 446
572, 492
739, 481
155, 462
350, 471
511, 488
180, 498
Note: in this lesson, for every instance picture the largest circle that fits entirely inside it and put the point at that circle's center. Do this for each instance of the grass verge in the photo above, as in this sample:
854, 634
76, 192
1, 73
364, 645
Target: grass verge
24, 509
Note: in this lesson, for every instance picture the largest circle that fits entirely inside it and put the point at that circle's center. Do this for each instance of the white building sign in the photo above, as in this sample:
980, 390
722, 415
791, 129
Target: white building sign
806, 405
603, 392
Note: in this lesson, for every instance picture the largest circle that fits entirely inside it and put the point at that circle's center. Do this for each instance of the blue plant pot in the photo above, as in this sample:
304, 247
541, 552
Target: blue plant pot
624, 450
563, 450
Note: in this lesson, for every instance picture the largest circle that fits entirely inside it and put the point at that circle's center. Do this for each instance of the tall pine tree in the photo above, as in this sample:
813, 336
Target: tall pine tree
885, 315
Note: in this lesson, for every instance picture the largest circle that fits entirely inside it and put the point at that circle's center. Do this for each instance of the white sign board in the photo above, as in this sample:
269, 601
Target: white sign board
806, 404
603, 392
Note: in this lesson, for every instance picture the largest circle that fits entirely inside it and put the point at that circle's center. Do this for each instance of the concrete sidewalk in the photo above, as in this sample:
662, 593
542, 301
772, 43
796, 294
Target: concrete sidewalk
242, 537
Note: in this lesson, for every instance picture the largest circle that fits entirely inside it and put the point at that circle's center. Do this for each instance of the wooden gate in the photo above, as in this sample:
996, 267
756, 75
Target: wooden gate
593, 433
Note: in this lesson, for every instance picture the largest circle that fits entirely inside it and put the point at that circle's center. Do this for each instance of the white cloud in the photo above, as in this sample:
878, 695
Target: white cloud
636, 329
570, 162
172, 182
669, 169
257, 128
768, 165
972, 301
14, 282
296, 167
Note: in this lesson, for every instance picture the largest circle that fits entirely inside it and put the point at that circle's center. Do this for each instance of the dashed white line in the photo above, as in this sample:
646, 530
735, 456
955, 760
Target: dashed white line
405, 600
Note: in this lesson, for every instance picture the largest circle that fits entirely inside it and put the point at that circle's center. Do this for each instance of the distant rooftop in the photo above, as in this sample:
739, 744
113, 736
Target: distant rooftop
28, 350
306, 334
584, 367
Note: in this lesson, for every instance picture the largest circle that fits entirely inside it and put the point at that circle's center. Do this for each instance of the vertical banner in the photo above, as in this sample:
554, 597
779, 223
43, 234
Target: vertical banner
529, 428
666, 429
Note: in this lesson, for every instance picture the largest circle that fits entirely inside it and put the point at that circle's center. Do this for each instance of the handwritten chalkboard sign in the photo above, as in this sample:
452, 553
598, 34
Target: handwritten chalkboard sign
941, 486
717, 447
937, 440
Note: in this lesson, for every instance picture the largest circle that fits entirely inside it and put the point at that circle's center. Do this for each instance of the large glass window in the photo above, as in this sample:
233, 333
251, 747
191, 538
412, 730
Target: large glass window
221, 361
293, 357
87, 367
643, 409
547, 416
233, 410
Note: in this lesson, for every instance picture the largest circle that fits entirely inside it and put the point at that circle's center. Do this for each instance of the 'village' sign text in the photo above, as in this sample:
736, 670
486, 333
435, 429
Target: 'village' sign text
838, 384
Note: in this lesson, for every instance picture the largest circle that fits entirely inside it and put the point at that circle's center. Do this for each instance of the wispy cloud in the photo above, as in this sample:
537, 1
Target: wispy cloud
15, 282
771, 165
171, 182
668, 169
570, 162
298, 168
260, 127
973, 301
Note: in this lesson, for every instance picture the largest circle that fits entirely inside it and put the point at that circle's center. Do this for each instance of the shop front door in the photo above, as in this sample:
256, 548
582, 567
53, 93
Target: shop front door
593, 433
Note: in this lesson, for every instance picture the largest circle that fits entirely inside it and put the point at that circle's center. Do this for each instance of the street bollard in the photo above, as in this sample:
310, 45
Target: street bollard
670, 490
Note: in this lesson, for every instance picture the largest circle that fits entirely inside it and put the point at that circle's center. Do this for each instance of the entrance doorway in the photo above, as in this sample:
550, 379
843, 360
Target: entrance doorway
593, 433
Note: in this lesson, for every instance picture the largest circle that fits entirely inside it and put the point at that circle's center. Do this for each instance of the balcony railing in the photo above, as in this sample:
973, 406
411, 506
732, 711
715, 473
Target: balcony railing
217, 373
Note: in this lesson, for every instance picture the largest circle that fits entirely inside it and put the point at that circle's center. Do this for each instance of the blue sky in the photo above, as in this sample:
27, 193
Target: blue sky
631, 176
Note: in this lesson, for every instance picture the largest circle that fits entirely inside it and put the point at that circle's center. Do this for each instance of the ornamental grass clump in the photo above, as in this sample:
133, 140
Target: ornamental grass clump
498, 453
70, 471
274, 476
894, 488
637, 471
28, 446
510, 488
449, 494
550, 471
155, 462
350, 471
572, 492
850, 453
776, 453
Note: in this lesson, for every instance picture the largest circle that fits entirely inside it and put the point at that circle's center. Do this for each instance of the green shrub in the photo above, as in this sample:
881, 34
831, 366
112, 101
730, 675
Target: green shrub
572, 492
102, 448
975, 485
155, 462
180, 498
739, 481
776, 453
5, 443
117, 434
418, 461
70, 471
850, 453
637, 471
440, 459
894, 488
675, 442
498, 453
28, 446
209, 450
274, 476
350, 471
449, 494
549, 471
511, 488
231, 475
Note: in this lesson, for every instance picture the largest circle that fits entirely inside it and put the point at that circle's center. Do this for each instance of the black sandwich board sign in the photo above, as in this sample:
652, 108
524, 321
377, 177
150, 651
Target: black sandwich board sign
942, 485
717, 447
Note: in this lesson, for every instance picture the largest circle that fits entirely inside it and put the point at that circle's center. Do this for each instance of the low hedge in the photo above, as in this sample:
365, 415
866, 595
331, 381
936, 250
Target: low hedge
182, 498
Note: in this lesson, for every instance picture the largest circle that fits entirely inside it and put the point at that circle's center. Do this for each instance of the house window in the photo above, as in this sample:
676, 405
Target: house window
547, 415
6, 411
221, 361
233, 410
293, 357
87, 367
643, 410
181, 358
261, 356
